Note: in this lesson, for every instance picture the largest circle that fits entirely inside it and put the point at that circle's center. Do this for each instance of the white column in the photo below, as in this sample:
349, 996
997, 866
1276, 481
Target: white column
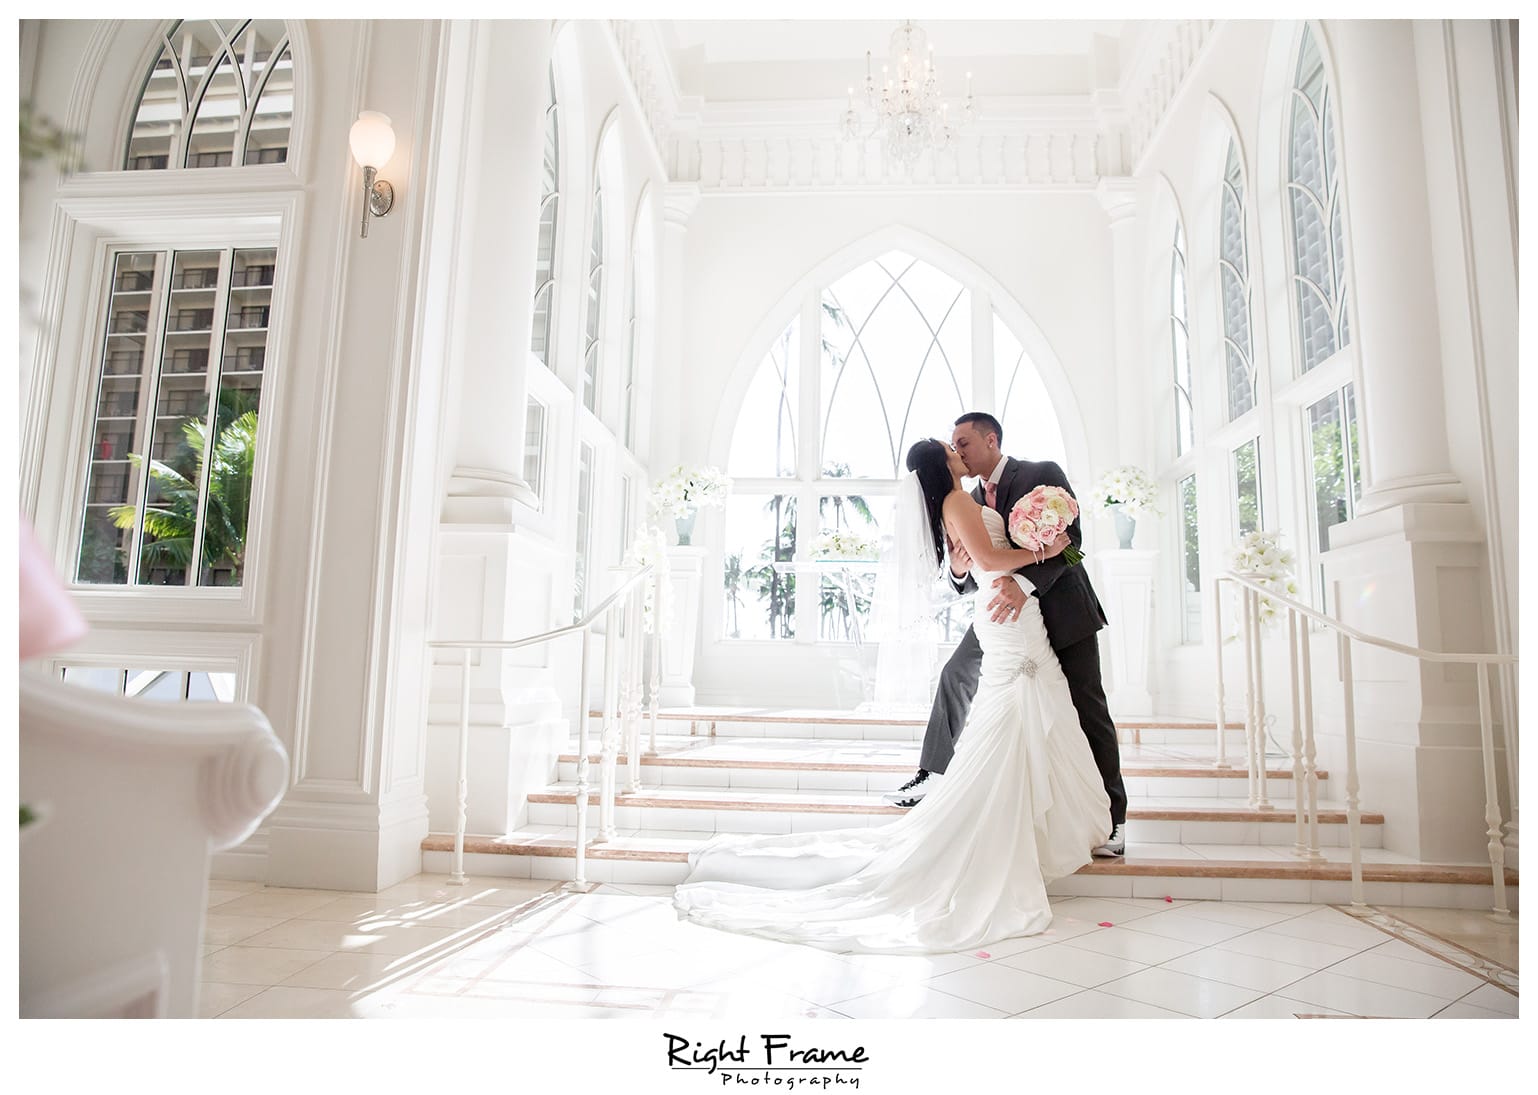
678, 204
1411, 566
1118, 197
1125, 583
356, 812
499, 235
680, 637
494, 577
1393, 300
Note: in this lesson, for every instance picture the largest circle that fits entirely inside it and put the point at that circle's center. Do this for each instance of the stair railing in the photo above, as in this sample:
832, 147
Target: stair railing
1304, 765
628, 615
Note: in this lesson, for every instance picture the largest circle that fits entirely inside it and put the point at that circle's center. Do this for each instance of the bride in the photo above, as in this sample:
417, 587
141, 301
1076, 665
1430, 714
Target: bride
1021, 804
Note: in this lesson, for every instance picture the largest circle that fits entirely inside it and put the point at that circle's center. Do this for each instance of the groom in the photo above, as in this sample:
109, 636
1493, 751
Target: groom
1069, 608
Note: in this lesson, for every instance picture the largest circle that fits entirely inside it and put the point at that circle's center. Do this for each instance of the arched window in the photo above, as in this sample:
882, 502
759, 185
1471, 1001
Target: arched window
1180, 346
544, 268
220, 94
1314, 208
593, 345
882, 356
627, 399
1234, 279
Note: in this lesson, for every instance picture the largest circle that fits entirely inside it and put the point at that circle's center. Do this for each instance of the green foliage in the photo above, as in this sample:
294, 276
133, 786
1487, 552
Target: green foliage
170, 516
41, 139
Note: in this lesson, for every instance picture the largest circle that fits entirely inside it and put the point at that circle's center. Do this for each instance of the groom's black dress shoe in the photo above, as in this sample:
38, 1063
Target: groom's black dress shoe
912, 792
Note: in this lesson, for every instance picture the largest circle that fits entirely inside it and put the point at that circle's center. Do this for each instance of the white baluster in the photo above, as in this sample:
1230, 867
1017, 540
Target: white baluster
634, 635
610, 734
462, 806
659, 601
1353, 808
579, 883
1217, 620
1509, 738
1500, 913
1310, 754
1247, 597
1300, 837
1262, 800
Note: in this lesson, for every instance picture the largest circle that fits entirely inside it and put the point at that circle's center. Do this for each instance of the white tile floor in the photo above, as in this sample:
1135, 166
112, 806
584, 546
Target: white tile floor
522, 947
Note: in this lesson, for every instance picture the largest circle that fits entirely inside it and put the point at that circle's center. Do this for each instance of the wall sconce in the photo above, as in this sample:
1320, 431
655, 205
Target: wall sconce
373, 142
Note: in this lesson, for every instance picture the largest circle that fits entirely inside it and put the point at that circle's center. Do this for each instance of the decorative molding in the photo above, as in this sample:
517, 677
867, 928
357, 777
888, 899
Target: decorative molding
1157, 75
1118, 197
651, 79
723, 160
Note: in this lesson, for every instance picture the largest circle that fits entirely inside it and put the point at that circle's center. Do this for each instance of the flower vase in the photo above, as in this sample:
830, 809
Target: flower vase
685, 527
1126, 525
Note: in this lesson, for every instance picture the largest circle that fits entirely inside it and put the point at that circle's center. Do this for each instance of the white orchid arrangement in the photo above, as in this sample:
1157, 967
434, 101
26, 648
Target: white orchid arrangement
649, 548
843, 544
1261, 557
682, 491
1128, 487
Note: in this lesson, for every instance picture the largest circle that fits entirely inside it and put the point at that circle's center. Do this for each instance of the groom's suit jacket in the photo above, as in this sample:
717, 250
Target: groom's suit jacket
1069, 607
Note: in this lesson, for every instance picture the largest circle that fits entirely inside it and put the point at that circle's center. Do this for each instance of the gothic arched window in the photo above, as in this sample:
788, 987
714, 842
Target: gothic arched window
220, 94
1234, 287
1315, 212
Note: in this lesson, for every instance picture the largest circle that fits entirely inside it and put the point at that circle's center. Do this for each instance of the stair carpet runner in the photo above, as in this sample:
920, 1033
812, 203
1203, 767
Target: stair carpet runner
1191, 830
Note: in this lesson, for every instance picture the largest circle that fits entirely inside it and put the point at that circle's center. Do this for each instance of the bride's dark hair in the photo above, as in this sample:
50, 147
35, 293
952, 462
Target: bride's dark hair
927, 458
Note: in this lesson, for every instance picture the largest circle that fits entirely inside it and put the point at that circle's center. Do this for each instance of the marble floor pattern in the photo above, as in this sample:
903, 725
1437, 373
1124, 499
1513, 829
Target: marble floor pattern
524, 947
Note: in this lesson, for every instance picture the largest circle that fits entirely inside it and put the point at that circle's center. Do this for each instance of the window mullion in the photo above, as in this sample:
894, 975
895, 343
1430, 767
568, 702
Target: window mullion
149, 392
985, 389
218, 330
809, 366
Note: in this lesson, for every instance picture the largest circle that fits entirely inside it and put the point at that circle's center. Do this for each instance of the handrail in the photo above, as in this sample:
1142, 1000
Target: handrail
622, 687
1361, 636
530, 640
1305, 774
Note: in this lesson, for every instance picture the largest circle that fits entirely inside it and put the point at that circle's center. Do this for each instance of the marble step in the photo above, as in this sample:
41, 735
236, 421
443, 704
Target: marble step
858, 765
819, 723
1150, 819
1197, 872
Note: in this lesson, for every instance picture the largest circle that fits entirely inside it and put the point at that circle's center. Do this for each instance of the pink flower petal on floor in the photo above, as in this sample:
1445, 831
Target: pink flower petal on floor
1169, 900
1107, 924
984, 954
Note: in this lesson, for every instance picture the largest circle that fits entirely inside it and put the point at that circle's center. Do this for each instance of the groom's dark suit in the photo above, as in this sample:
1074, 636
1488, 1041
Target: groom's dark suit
1072, 615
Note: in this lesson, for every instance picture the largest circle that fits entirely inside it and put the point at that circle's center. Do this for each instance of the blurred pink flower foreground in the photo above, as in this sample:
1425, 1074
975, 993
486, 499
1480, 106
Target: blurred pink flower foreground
49, 619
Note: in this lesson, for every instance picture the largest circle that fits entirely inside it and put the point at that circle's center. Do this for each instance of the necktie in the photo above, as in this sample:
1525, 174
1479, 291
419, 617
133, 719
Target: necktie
991, 492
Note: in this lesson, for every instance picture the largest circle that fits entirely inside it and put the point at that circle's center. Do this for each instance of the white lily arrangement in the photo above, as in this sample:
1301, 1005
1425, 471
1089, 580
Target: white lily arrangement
1261, 557
682, 491
843, 544
1128, 487
649, 548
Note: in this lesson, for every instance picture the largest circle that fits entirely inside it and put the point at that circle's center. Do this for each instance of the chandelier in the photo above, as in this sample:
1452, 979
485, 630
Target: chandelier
909, 117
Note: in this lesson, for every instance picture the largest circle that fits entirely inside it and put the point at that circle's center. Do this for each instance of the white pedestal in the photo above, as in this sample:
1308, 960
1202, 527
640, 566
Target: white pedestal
686, 571
1125, 584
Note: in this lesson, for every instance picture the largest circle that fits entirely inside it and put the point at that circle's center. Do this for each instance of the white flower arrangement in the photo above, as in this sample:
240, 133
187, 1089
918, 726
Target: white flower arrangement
1261, 557
681, 491
649, 548
843, 544
1128, 487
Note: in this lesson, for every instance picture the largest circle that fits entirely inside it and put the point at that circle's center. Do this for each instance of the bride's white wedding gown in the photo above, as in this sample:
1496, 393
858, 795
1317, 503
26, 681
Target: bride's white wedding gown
1021, 804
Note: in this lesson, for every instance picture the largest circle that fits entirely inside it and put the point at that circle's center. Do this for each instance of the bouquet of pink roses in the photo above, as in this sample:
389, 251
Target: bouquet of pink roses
1038, 517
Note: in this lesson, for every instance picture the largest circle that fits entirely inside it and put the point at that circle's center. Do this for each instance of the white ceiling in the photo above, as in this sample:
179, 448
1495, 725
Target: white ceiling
744, 60
725, 41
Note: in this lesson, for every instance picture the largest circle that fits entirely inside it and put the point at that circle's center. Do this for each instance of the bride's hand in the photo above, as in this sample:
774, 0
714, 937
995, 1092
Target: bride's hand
1057, 546
961, 562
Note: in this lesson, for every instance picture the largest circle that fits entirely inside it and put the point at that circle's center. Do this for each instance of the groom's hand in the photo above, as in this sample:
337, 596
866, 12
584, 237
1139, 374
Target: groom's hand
1008, 599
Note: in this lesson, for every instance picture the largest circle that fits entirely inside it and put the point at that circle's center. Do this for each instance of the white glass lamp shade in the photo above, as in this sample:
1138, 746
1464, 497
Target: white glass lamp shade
372, 139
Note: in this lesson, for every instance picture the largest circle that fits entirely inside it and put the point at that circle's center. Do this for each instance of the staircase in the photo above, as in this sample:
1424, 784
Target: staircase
1191, 831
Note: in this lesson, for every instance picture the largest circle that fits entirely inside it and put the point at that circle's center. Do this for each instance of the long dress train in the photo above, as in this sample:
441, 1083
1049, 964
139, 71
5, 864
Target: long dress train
1021, 804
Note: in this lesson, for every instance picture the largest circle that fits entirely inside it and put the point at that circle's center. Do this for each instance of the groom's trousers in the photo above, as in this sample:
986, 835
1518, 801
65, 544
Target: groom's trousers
1081, 665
